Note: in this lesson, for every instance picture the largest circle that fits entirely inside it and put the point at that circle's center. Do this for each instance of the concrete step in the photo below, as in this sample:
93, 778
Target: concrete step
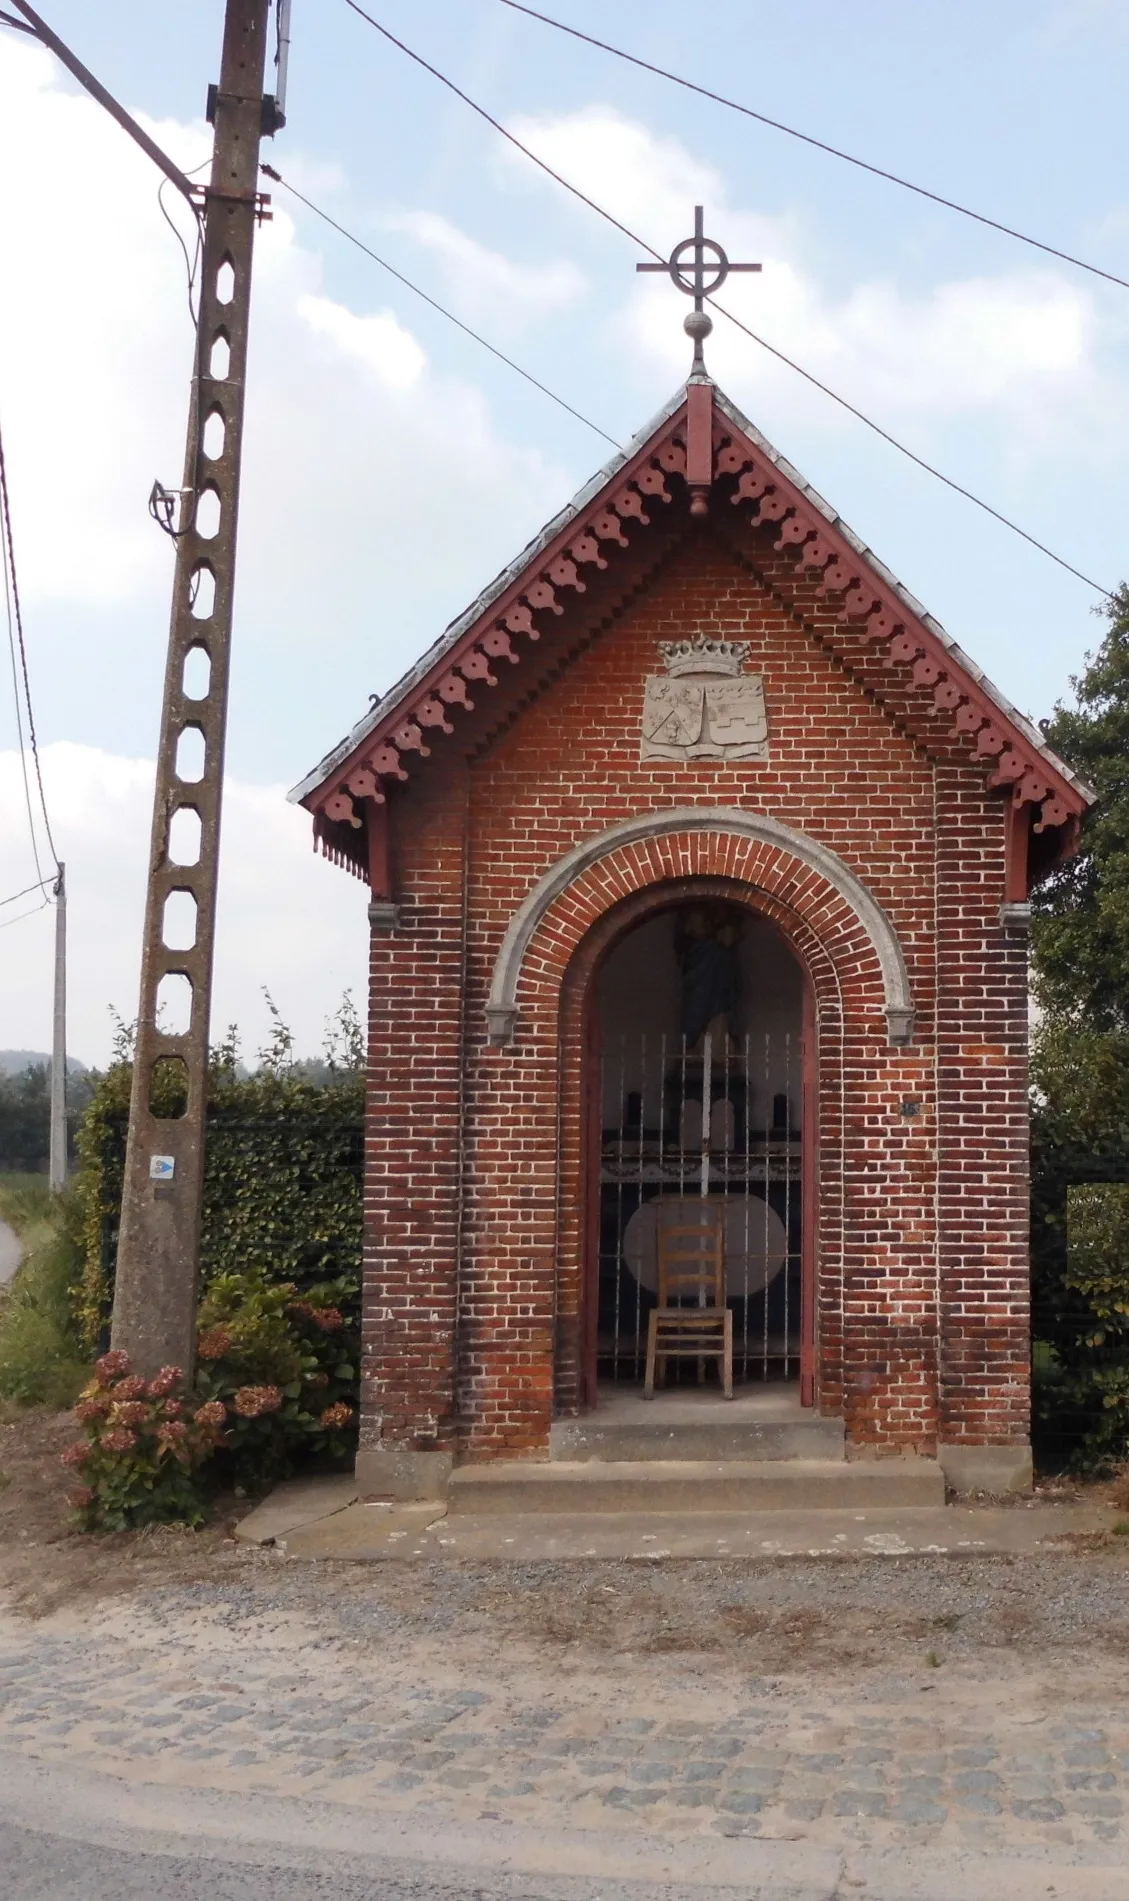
715, 1436
691, 1485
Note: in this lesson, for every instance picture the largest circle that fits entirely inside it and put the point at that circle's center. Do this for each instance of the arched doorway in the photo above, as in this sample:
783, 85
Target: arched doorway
701, 1073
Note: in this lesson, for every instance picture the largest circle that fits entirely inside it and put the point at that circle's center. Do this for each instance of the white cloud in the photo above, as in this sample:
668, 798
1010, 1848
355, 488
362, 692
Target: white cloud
378, 343
95, 352
484, 280
286, 919
1023, 343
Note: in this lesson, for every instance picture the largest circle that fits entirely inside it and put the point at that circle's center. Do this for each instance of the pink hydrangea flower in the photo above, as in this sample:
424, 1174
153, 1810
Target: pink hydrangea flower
329, 1319
129, 1412
88, 1410
334, 1417
212, 1413
174, 1438
119, 1439
132, 1388
251, 1402
165, 1382
81, 1497
76, 1454
214, 1343
111, 1366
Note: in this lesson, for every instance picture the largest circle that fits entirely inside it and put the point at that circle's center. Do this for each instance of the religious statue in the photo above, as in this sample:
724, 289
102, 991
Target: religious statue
711, 977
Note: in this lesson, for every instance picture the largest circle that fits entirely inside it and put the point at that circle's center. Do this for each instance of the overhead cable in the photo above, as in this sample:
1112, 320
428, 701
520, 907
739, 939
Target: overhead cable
821, 145
929, 468
40, 884
435, 305
16, 640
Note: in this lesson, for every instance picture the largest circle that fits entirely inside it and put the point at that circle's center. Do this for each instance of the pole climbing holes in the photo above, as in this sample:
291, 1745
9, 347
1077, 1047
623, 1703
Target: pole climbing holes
215, 430
197, 676
185, 831
225, 281
219, 359
178, 924
168, 1088
190, 755
174, 1004
202, 592
208, 514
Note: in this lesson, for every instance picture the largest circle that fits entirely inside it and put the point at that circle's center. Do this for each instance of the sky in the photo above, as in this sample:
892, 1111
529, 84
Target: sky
392, 466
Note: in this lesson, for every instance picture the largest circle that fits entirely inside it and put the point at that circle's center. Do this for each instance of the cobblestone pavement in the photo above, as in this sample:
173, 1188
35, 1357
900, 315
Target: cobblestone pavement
217, 1689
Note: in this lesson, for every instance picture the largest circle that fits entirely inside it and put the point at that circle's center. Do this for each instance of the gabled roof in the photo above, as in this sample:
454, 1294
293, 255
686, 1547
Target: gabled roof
698, 441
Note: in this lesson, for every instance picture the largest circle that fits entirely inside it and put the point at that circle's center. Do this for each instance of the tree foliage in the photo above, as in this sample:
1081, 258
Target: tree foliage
1080, 1156
1081, 937
25, 1116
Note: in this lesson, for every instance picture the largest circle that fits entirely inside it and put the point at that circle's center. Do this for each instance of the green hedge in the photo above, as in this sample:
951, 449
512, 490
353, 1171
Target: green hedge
283, 1168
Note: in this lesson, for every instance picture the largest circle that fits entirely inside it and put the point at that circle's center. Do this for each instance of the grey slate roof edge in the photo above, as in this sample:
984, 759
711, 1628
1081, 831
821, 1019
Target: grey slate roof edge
456, 628
454, 631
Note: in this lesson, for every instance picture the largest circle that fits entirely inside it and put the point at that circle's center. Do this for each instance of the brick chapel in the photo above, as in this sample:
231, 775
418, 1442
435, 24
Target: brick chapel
699, 859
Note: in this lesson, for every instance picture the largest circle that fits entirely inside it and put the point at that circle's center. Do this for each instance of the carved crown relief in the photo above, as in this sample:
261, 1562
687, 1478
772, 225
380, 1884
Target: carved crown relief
704, 706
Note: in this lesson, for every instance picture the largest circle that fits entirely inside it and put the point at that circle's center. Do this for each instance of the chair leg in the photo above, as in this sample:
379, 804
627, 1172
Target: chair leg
727, 1356
652, 1339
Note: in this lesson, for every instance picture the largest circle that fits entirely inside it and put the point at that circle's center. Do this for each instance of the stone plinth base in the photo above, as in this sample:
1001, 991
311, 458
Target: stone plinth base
987, 1468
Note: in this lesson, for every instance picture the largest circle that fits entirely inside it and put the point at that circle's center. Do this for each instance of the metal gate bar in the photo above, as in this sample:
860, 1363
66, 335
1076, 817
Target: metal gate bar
721, 1121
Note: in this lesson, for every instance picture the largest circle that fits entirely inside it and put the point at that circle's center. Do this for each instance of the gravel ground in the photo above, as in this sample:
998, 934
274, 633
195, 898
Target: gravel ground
978, 1704
793, 1616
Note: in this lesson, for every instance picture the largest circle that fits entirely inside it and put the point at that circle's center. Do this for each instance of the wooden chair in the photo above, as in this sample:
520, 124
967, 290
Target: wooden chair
691, 1320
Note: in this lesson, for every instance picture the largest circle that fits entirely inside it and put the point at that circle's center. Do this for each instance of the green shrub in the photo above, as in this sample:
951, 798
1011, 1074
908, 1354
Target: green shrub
286, 1366
282, 1180
275, 1388
43, 1361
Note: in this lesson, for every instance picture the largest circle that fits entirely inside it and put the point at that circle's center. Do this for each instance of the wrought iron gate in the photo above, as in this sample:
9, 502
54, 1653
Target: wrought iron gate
722, 1121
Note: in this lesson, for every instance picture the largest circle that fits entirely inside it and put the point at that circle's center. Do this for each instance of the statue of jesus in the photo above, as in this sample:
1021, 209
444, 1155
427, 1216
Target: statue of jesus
711, 978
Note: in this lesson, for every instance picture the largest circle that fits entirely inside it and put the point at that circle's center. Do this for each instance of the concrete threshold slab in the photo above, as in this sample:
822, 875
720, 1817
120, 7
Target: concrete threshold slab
374, 1532
296, 1502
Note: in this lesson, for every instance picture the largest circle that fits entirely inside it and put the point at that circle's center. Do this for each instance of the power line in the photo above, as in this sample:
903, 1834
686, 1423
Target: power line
21, 915
40, 884
843, 402
807, 138
435, 305
16, 638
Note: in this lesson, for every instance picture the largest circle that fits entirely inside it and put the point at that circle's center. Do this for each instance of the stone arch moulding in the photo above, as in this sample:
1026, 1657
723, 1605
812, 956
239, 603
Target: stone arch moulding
501, 1007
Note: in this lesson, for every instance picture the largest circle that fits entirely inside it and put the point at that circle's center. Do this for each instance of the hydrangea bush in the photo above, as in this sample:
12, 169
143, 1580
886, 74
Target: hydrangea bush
145, 1447
275, 1388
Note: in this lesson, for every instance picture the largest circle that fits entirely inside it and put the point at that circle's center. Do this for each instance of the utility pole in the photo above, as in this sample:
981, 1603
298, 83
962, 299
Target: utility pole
58, 1152
159, 1241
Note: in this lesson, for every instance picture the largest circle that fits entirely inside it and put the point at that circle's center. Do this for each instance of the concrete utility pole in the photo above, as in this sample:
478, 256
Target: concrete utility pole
159, 1241
58, 1151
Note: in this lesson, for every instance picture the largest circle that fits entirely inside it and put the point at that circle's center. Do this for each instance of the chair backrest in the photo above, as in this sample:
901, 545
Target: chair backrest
691, 1260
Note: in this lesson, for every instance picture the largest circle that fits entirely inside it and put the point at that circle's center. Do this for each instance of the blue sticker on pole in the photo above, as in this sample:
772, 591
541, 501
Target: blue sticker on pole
162, 1168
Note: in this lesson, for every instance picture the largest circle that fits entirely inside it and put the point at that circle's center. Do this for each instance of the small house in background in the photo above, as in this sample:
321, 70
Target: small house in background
698, 861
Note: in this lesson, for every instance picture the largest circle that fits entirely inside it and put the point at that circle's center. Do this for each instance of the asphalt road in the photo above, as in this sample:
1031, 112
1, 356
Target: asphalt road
87, 1836
9, 1252
38, 1867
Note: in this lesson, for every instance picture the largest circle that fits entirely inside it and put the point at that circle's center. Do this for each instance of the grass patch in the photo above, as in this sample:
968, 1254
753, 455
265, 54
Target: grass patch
24, 1200
41, 1358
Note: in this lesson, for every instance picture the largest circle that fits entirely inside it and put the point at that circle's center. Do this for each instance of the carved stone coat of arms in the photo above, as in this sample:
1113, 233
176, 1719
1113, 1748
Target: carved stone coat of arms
704, 706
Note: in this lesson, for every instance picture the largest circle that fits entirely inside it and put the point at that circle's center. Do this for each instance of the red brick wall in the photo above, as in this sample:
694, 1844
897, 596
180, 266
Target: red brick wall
920, 1303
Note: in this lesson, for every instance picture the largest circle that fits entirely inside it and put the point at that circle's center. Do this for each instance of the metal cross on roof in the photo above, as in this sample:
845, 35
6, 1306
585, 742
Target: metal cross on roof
706, 275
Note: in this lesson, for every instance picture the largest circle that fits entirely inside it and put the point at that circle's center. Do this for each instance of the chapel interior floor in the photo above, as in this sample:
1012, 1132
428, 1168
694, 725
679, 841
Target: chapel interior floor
621, 1403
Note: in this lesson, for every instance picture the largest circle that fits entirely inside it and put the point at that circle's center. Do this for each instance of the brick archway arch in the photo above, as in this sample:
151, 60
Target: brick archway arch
842, 938
812, 881
526, 1221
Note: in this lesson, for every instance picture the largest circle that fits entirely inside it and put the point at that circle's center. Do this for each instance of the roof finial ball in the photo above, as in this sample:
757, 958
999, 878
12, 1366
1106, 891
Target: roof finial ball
698, 324
699, 267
